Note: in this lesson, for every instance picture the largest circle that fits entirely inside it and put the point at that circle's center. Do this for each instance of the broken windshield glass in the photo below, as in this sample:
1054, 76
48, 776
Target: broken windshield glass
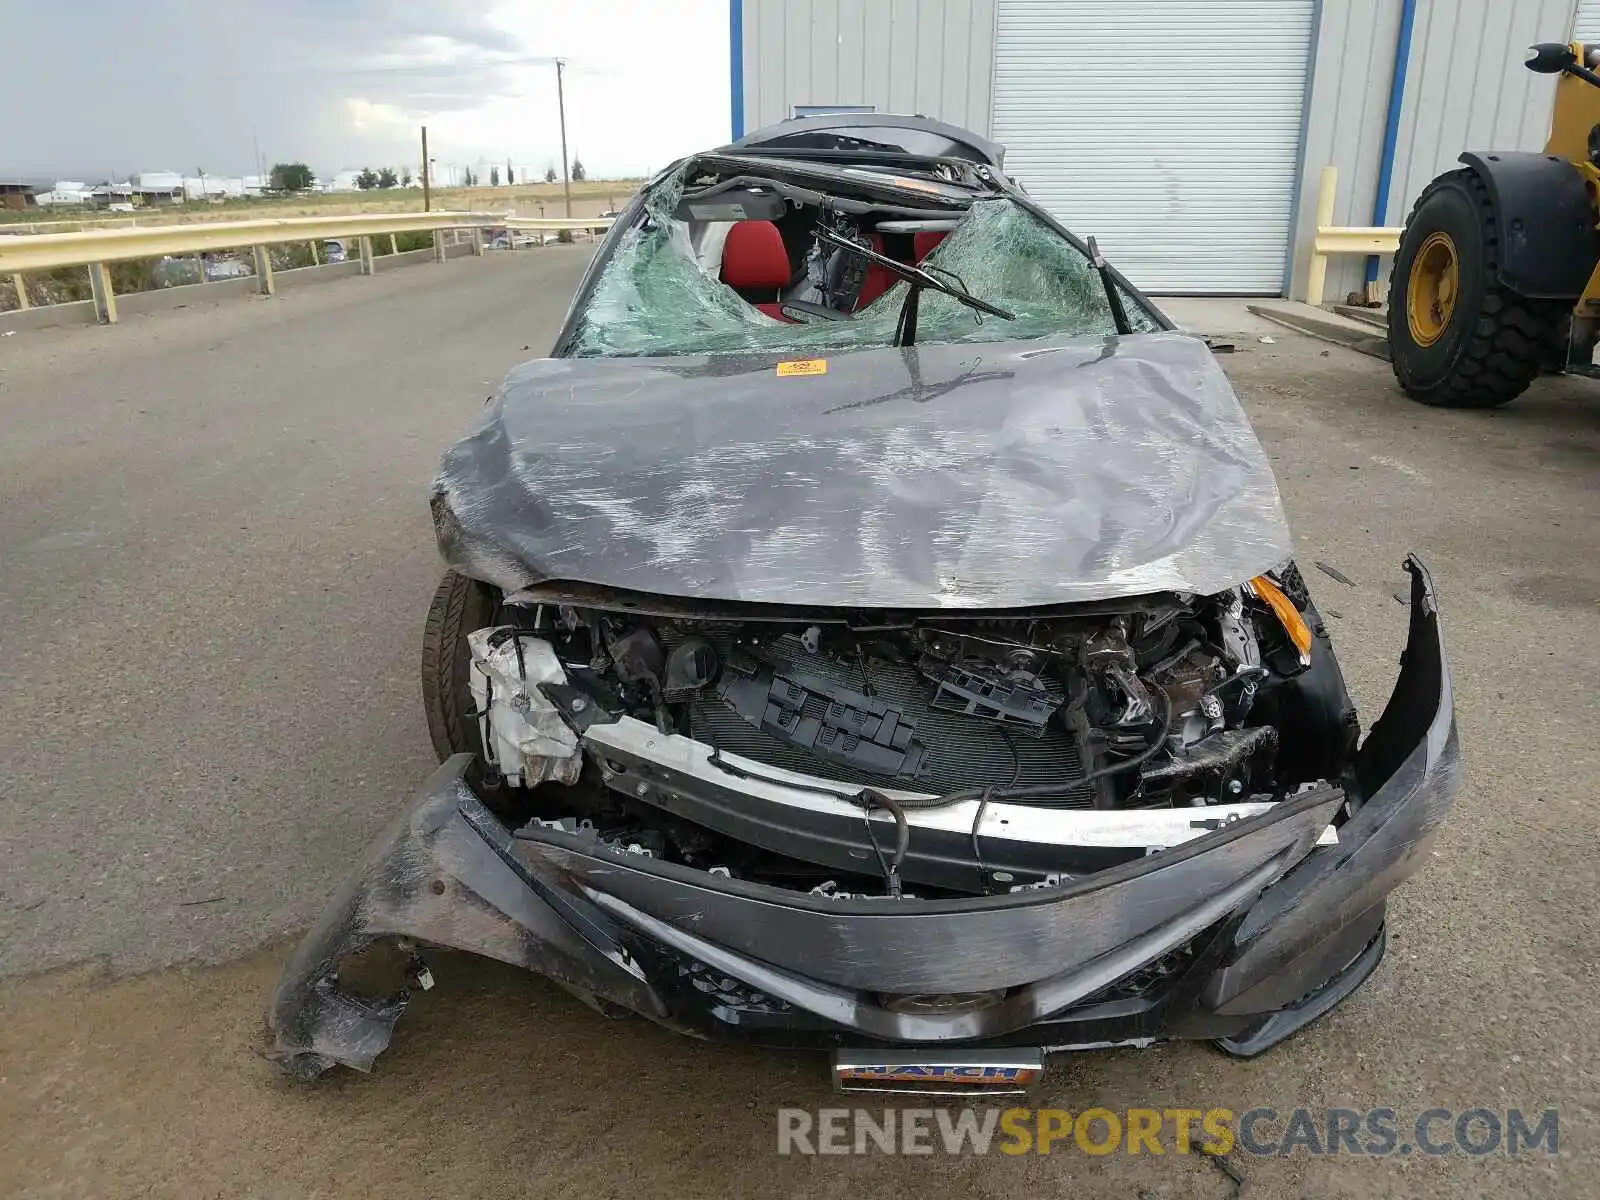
656, 298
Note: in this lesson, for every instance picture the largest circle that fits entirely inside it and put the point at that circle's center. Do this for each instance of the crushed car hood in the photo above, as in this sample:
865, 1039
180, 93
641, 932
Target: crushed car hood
992, 475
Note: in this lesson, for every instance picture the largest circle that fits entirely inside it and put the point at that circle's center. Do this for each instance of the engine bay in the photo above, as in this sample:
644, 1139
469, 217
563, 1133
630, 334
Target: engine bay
1167, 702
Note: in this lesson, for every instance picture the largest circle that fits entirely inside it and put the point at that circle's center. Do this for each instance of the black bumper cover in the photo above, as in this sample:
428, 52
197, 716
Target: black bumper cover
1243, 936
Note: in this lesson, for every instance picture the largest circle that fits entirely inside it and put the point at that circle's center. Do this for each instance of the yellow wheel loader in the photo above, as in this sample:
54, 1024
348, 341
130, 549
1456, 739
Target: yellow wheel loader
1496, 276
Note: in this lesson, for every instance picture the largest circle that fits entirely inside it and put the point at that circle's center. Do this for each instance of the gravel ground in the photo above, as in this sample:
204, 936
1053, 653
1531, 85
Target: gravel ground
217, 556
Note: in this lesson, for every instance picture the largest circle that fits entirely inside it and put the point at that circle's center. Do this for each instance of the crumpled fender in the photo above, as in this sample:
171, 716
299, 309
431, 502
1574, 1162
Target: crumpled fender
442, 873
1330, 906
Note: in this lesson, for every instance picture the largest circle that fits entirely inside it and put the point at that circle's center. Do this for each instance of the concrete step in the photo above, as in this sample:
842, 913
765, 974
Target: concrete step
1372, 316
1329, 327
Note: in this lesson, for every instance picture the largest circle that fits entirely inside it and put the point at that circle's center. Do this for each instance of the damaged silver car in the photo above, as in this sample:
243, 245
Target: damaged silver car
874, 629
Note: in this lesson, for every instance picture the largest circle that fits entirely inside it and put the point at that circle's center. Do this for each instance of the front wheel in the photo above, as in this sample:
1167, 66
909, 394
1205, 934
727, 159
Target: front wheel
1458, 338
459, 606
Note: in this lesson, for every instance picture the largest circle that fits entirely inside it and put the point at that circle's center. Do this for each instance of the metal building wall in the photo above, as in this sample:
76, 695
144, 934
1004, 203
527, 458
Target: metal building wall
934, 57
1466, 88
1586, 25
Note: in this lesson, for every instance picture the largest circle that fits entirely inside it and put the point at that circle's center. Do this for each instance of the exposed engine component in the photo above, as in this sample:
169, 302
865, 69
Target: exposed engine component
524, 737
835, 723
1148, 707
862, 709
691, 665
1239, 643
1228, 765
1108, 655
637, 658
1017, 702
1172, 702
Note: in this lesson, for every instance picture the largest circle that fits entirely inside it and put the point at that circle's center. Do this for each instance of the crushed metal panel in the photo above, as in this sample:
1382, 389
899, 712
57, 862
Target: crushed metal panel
1010, 474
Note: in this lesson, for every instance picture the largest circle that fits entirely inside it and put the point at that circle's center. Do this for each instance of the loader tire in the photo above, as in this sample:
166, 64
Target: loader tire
459, 606
1458, 338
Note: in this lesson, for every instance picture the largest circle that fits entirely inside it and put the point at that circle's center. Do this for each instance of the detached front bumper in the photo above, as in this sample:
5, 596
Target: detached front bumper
1242, 936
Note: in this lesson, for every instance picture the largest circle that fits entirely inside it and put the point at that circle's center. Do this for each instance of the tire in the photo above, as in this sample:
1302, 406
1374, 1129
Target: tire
1493, 342
459, 606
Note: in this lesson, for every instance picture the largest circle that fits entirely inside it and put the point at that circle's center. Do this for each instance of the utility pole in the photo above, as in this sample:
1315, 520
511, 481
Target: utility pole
566, 167
427, 199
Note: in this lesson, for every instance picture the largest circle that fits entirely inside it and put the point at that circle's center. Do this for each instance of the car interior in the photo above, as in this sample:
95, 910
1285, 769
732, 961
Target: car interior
740, 257
756, 262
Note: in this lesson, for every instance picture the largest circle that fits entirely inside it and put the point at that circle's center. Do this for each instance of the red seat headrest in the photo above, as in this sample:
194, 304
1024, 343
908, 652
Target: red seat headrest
754, 257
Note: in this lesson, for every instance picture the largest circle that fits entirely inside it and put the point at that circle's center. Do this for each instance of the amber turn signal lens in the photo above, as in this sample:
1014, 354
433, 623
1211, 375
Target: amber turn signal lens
1288, 615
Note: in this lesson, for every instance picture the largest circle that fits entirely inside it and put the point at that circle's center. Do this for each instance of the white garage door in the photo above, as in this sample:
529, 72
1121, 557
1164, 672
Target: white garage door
1169, 129
1586, 25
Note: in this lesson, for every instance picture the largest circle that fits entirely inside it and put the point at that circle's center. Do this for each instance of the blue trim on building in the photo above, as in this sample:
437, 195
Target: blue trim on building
736, 65
1391, 128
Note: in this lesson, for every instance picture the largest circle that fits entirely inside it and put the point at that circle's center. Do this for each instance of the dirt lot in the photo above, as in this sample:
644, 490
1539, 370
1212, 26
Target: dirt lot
153, 1084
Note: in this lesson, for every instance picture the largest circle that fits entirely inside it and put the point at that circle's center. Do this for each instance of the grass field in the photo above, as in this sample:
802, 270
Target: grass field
589, 198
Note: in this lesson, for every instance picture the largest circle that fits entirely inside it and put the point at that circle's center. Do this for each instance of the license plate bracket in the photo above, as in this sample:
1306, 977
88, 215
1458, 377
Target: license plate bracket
938, 1073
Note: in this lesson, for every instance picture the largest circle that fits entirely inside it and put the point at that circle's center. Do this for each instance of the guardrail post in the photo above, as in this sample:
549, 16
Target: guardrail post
366, 256
316, 253
477, 240
264, 271
1327, 191
105, 299
438, 245
394, 246
22, 290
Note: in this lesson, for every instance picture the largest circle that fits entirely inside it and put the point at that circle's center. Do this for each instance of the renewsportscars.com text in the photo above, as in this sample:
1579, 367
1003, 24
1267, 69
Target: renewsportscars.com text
1374, 1132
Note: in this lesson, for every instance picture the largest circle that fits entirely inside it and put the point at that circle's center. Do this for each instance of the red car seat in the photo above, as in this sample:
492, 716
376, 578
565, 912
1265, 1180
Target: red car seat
877, 280
925, 242
756, 265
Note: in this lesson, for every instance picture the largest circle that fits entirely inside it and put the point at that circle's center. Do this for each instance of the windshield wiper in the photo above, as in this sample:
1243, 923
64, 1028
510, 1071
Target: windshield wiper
1119, 314
905, 332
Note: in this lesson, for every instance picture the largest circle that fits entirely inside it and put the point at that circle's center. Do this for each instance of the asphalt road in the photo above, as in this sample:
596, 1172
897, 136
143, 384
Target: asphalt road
216, 556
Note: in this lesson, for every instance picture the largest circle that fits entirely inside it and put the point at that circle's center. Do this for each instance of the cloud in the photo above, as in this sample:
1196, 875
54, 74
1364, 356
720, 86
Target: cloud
111, 87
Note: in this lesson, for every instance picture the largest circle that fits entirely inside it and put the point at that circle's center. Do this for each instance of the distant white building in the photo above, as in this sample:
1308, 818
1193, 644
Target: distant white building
66, 191
157, 181
213, 187
149, 187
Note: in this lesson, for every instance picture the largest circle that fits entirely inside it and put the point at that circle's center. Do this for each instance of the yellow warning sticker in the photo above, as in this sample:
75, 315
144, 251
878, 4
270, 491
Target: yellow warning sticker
917, 184
803, 366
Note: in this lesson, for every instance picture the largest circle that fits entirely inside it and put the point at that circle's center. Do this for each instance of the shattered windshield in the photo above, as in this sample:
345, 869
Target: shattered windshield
662, 294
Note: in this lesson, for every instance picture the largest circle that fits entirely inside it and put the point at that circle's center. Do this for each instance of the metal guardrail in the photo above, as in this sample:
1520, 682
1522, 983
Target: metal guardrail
1338, 239
95, 248
69, 224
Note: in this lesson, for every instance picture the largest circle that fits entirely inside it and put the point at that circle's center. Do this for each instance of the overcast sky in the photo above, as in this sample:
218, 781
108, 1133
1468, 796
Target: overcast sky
93, 87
